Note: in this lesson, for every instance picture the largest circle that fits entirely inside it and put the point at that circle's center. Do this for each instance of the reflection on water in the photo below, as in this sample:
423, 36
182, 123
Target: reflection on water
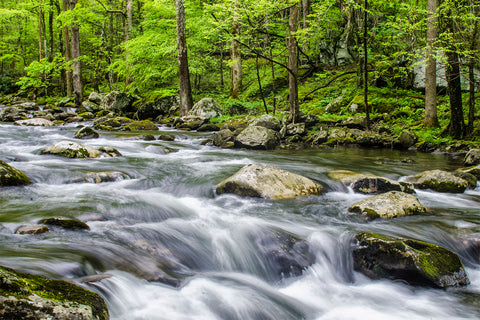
176, 250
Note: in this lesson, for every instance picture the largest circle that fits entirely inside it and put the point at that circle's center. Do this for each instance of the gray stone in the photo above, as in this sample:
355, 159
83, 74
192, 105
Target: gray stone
406, 140
118, 102
438, 180
255, 137
295, 129
104, 176
156, 106
265, 181
320, 137
12, 113
40, 122
206, 108
472, 157
96, 98
72, 149
223, 138
37, 229
86, 133
268, 121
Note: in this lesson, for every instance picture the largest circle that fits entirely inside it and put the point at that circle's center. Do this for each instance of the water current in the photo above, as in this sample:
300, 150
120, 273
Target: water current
173, 249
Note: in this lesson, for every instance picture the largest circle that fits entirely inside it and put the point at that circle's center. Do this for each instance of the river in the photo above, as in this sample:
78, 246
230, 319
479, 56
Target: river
166, 216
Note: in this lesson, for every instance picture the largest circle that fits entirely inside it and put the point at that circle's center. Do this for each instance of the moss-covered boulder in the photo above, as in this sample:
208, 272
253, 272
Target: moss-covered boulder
268, 121
238, 124
35, 122
265, 181
27, 296
438, 180
224, 139
35, 229
388, 205
141, 125
368, 183
86, 133
10, 176
475, 170
118, 102
256, 137
108, 124
416, 262
207, 108
70, 224
12, 113
472, 157
72, 149
156, 105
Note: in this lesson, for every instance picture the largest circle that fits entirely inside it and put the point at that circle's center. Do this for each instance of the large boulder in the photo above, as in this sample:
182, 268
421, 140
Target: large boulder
40, 122
141, 125
368, 183
109, 124
96, 97
265, 181
12, 113
206, 108
256, 137
118, 102
475, 170
72, 149
10, 176
388, 205
155, 106
438, 180
27, 296
268, 121
413, 261
472, 157
224, 138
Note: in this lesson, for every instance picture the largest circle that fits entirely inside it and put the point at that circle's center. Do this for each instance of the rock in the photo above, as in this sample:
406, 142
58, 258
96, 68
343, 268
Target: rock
110, 151
140, 125
368, 183
12, 113
148, 137
118, 102
10, 176
69, 224
105, 176
268, 121
27, 296
86, 133
336, 105
320, 137
238, 124
35, 122
156, 105
337, 135
356, 122
295, 129
190, 122
223, 139
413, 261
209, 127
265, 181
255, 137
87, 115
472, 157
406, 140
32, 229
438, 180
388, 205
284, 253
96, 97
72, 149
470, 178
206, 108
116, 122
473, 171
166, 137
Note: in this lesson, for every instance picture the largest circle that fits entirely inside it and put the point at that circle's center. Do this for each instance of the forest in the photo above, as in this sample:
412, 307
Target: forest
414, 64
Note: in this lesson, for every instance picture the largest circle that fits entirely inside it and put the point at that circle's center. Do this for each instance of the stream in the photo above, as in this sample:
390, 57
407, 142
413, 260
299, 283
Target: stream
173, 249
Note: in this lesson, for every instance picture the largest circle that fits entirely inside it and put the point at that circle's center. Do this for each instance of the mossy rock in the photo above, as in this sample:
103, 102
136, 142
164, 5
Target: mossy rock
438, 180
416, 262
86, 133
141, 125
10, 176
475, 170
72, 149
27, 296
69, 224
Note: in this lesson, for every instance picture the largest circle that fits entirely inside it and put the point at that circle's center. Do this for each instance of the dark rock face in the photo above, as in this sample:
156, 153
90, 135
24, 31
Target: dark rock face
10, 176
12, 113
376, 185
70, 224
27, 296
86, 133
154, 106
224, 139
119, 102
413, 261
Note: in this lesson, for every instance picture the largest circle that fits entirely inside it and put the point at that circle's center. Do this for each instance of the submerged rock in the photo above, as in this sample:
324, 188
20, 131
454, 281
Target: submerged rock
413, 261
256, 137
106, 176
438, 180
72, 149
368, 183
265, 181
10, 176
40, 122
32, 229
70, 224
388, 205
27, 296
86, 133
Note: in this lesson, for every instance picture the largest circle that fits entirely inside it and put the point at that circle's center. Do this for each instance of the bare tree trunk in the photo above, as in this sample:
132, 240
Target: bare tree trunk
457, 124
431, 118
50, 31
293, 64
471, 75
128, 35
68, 52
236, 55
77, 69
40, 54
259, 80
306, 9
365, 64
186, 100
220, 64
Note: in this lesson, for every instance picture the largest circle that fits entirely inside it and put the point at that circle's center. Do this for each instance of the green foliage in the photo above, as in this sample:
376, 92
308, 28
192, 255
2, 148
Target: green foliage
40, 75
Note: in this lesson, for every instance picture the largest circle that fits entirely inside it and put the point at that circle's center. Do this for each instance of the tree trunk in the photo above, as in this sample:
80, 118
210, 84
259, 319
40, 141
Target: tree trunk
128, 35
471, 74
77, 69
50, 31
365, 64
306, 9
68, 52
431, 119
236, 55
452, 73
186, 100
293, 65
259, 80
40, 55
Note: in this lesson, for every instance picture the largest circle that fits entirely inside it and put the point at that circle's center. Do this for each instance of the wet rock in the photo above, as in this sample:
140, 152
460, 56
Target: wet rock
470, 178
438, 180
223, 139
473, 171
140, 125
27, 296
265, 181
190, 122
96, 97
268, 121
285, 254
32, 229
94, 278
413, 261
156, 106
72, 149
105, 176
295, 129
148, 137
406, 140
388, 205
472, 157
255, 137
114, 123
337, 135
369, 139
10, 176
206, 108
109, 151
12, 113
166, 137
69, 224
86, 133
209, 127
369, 183
40, 122
320, 137
118, 102
87, 115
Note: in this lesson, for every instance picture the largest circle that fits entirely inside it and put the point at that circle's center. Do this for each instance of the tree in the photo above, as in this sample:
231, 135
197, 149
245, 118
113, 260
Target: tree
236, 55
77, 67
186, 100
431, 119
293, 64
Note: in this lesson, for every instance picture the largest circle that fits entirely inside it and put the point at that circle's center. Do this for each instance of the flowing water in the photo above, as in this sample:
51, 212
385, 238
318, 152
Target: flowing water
173, 249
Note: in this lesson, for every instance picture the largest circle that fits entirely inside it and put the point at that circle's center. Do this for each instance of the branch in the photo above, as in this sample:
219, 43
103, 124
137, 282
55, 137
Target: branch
328, 83
111, 11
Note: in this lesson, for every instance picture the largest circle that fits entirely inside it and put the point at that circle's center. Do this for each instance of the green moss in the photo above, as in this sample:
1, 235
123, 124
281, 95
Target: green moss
10, 176
140, 125
70, 224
